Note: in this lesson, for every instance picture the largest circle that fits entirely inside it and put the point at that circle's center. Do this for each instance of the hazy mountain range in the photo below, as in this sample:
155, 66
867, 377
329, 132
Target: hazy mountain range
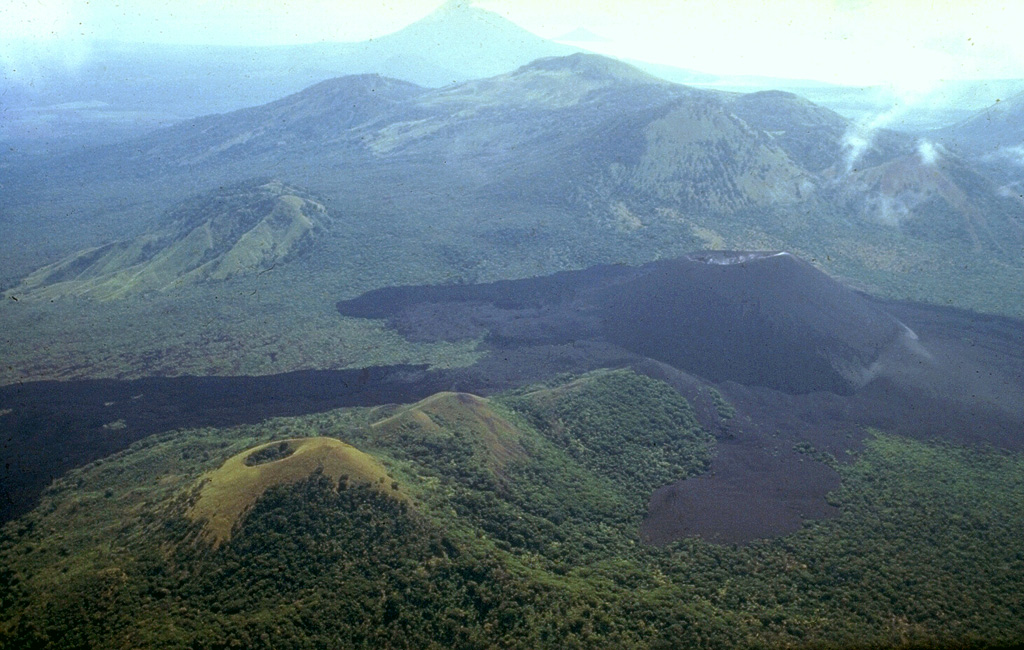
580, 143
113, 89
122, 88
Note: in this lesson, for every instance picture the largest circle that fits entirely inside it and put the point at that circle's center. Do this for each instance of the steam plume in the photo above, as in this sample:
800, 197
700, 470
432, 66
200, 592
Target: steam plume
859, 137
927, 151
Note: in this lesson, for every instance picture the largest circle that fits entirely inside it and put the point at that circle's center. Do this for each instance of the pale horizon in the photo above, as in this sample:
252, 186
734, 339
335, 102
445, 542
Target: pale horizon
913, 45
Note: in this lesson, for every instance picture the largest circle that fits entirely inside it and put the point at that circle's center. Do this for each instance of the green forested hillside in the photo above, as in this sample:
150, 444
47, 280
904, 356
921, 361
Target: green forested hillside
517, 528
246, 229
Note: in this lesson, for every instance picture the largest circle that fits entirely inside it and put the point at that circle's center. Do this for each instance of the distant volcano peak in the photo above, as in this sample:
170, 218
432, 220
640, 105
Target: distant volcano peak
591, 66
468, 42
454, 5
462, 11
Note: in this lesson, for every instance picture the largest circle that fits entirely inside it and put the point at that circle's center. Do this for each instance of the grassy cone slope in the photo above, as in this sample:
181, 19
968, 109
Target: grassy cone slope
230, 490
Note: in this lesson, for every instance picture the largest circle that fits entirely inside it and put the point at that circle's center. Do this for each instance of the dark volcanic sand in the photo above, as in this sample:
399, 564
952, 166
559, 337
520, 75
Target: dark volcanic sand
968, 389
765, 319
750, 493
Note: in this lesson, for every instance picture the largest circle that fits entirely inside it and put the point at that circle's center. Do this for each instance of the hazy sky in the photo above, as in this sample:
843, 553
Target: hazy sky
906, 42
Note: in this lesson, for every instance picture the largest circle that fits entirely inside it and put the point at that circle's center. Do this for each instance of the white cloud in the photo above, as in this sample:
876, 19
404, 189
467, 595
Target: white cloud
1014, 155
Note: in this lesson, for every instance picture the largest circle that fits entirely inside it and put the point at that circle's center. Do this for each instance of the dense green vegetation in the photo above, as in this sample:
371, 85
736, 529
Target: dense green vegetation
621, 427
537, 550
725, 410
243, 326
608, 439
269, 454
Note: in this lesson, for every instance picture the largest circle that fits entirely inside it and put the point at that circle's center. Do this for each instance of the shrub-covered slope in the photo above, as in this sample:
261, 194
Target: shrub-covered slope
245, 229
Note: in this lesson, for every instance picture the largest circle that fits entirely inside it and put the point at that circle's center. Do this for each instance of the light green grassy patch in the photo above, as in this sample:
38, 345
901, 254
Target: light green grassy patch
230, 490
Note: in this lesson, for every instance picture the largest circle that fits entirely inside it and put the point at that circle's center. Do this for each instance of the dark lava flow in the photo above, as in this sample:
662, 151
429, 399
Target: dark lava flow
801, 357
765, 319
51, 427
